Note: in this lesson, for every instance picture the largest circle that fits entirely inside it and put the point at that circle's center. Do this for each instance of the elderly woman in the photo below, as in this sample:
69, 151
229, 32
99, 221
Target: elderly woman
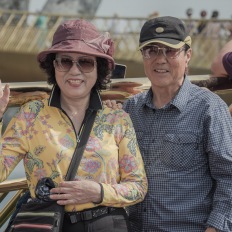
45, 133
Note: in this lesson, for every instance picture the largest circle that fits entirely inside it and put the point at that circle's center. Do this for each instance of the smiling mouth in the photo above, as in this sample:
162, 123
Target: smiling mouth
160, 70
75, 81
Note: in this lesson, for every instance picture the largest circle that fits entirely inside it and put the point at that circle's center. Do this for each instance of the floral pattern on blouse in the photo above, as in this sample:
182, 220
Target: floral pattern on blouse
44, 138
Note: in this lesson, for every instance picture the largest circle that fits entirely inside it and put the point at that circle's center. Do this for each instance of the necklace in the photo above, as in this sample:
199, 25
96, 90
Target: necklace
73, 114
74, 117
76, 124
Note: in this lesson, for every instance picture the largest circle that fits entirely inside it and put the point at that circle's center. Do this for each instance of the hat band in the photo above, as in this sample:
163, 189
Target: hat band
188, 41
176, 45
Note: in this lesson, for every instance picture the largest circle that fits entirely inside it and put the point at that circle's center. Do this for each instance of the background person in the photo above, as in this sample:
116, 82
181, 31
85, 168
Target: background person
191, 25
185, 135
213, 27
45, 133
202, 22
222, 63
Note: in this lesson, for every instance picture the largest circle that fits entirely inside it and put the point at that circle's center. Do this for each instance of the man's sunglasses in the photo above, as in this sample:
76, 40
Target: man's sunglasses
85, 64
153, 51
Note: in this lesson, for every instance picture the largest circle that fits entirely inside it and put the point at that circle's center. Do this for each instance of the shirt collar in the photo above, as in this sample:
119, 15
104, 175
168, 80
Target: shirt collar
95, 102
181, 98
148, 99
179, 101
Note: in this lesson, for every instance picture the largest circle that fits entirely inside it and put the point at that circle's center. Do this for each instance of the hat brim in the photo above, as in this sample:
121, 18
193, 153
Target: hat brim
173, 43
76, 46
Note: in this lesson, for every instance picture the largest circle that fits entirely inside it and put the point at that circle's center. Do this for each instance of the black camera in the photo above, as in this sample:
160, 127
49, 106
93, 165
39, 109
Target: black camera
43, 187
119, 71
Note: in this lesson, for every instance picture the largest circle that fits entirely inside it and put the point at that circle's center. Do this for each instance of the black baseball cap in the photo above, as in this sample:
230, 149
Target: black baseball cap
166, 30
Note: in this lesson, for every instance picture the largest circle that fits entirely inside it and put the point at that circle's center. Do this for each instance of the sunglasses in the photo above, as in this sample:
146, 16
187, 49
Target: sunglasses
153, 51
84, 64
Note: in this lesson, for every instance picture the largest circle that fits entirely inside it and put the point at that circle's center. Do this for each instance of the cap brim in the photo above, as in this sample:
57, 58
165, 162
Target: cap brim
75, 46
168, 42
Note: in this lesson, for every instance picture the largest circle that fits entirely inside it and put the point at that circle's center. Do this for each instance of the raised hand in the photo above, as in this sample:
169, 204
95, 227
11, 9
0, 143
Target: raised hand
4, 98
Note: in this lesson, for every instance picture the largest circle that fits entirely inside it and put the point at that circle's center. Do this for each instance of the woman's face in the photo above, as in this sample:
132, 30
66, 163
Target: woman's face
75, 74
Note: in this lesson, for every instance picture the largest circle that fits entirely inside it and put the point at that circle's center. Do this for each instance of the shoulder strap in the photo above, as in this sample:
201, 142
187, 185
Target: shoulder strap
76, 159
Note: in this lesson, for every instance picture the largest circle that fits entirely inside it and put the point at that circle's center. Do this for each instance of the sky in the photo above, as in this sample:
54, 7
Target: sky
143, 8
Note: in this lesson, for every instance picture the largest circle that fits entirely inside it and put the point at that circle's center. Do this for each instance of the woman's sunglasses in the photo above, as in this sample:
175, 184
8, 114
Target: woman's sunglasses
84, 64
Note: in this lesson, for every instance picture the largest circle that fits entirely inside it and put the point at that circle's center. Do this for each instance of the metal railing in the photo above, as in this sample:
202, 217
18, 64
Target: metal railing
20, 185
30, 32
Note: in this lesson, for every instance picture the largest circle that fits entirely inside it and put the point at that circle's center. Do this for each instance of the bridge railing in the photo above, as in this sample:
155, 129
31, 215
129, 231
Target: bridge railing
19, 186
25, 32
31, 32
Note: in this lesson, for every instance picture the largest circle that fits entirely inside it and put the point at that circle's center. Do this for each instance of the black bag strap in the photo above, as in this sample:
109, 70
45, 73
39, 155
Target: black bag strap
85, 132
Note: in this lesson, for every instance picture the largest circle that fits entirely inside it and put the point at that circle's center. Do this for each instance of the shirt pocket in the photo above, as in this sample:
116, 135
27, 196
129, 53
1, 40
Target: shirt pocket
180, 151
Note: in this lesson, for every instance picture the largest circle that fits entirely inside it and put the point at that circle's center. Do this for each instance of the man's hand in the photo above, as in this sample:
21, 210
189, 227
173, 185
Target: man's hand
112, 104
4, 98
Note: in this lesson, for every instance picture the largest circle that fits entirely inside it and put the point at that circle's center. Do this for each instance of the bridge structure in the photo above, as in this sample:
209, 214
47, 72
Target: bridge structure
24, 34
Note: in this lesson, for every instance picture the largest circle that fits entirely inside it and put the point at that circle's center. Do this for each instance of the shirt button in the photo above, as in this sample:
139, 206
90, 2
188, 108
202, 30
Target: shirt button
144, 210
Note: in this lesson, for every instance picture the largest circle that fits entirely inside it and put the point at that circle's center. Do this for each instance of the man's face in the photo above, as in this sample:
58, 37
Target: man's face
165, 67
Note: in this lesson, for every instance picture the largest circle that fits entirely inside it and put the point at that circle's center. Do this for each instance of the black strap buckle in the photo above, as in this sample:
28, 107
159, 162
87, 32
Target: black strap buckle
73, 218
86, 215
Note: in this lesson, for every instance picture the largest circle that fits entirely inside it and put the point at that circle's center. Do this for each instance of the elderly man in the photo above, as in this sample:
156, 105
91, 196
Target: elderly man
185, 136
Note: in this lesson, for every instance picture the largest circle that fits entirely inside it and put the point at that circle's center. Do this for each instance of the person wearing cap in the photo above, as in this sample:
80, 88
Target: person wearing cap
185, 137
45, 133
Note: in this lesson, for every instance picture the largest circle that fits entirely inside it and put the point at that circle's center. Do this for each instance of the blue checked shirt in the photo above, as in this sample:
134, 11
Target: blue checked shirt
187, 151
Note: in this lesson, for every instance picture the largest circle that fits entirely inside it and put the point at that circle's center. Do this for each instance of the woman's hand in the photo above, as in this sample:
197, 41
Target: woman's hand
4, 98
76, 192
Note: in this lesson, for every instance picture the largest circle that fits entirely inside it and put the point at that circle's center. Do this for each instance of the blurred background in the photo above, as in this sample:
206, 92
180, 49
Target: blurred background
138, 8
27, 26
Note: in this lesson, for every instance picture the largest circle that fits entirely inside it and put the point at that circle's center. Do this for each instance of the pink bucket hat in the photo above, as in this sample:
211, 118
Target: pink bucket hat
80, 36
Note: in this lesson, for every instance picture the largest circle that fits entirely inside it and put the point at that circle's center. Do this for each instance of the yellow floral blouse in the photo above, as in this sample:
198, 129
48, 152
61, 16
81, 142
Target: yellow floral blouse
43, 136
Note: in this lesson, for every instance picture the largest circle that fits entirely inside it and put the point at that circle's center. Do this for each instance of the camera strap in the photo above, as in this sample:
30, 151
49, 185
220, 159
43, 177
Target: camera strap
79, 150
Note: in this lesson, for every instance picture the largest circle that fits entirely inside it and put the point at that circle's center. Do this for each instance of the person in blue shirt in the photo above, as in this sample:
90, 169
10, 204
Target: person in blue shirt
185, 137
